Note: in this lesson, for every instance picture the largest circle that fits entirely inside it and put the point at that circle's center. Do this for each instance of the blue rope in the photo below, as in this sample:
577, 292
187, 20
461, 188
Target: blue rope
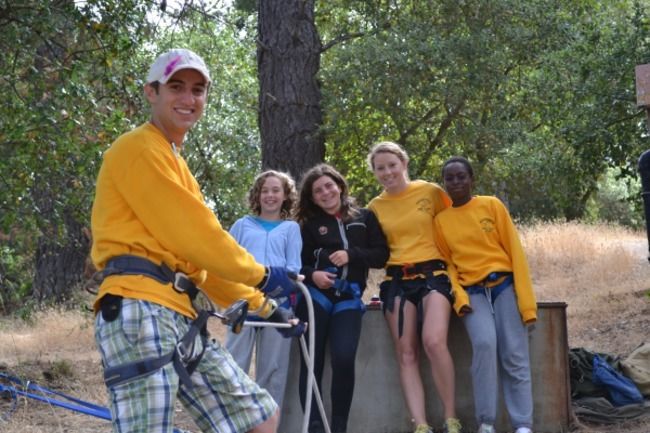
77, 405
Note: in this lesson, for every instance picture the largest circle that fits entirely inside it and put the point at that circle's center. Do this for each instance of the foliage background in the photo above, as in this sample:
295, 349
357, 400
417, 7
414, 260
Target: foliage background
539, 94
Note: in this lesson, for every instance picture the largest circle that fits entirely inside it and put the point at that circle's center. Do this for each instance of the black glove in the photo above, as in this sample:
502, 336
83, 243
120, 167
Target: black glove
278, 282
283, 315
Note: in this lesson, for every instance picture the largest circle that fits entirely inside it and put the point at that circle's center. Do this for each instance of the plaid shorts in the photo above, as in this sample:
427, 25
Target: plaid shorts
223, 399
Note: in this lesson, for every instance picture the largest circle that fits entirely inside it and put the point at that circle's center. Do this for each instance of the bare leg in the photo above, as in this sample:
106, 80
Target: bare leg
407, 350
434, 340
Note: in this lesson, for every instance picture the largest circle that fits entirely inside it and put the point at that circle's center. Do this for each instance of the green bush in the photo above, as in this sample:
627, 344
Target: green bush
15, 278
618, 200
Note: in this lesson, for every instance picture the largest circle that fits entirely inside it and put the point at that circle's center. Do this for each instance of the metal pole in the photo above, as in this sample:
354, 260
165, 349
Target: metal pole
308, 353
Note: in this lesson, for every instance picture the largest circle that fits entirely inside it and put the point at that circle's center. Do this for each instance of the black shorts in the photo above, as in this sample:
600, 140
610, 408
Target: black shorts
414, 290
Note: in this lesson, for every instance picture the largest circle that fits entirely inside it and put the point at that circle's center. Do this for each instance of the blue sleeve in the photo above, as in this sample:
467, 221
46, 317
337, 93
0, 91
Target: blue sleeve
236, 230
294, 248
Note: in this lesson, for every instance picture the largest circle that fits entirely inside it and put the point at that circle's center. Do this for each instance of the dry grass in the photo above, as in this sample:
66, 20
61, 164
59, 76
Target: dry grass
601, 272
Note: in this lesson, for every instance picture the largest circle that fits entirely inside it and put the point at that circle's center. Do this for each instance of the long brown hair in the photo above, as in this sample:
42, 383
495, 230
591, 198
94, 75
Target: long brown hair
306, 206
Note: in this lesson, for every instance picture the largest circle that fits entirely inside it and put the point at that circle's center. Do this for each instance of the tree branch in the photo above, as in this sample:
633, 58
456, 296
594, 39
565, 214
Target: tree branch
349, 36
442, 130
342, 38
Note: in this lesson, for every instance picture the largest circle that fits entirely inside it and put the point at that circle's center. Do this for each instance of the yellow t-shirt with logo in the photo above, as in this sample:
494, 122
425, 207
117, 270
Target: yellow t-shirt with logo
479, 238
407, 221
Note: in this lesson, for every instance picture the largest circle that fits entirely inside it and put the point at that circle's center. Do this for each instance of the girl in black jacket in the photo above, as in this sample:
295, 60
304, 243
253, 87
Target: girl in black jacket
340, 242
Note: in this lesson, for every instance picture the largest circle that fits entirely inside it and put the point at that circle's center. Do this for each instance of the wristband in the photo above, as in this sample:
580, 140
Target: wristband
265, 278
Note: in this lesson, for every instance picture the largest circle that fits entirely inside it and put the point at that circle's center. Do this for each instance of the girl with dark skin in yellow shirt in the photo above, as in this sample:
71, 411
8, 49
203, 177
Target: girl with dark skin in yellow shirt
479, 241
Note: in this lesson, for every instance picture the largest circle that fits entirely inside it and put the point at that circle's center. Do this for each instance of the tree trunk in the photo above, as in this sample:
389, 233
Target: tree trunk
60, 261
288, 57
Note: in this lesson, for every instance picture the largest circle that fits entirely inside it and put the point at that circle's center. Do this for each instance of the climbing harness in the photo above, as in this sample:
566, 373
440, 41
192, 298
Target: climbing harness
345, 287
333, 308
408, 287
234, 316
135, 265
183, 357
492, 285
340, 287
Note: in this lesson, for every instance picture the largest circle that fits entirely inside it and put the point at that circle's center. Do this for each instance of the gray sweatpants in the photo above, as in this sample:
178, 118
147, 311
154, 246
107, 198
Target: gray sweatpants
500, 351
271, 357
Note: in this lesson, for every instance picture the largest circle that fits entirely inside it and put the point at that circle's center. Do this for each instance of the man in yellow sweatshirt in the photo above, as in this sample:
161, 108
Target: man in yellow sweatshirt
155, 241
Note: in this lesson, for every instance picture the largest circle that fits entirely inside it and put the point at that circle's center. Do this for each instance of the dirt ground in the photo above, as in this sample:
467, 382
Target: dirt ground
74, 369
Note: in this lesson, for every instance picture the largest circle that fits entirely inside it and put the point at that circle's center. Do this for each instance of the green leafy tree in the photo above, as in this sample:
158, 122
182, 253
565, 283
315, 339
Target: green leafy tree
63, 83
537, 93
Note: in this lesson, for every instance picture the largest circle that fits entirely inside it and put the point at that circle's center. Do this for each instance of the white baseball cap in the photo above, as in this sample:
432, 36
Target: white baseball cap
167, 64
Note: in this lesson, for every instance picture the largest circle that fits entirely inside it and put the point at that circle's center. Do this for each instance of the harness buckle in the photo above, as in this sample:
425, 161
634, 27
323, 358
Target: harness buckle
183, 354
181, 282
409, 270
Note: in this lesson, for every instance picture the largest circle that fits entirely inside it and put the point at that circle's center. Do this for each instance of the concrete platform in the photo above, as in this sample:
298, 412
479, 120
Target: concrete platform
378, 405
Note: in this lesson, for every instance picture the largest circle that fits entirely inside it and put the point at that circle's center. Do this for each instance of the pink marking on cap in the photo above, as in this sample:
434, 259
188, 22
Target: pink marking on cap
170, 66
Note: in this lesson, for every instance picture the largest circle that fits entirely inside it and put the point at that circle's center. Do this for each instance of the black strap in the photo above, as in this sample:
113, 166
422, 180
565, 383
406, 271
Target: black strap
119, 374
400, 317
181, 357
415, 269
397, 273
135, 265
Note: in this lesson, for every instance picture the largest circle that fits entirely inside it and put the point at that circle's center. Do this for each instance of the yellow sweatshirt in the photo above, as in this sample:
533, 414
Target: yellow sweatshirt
407, 221
479, 238
148, 204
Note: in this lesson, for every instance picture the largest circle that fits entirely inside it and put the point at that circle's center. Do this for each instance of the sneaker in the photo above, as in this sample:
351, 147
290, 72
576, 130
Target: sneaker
523, 430
423, 428
452, 425
485, 428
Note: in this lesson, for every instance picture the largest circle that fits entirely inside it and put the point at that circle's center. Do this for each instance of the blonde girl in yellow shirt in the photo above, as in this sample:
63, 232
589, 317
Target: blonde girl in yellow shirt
417, 292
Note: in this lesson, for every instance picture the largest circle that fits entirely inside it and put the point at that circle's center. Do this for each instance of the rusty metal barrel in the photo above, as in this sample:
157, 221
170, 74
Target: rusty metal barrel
644, 171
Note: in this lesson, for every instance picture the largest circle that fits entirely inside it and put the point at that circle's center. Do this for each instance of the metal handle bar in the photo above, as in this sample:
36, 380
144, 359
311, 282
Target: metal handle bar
233, 313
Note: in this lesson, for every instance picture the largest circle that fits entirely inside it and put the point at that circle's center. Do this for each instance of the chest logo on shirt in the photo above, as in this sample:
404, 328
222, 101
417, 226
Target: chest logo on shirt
424, 205
487, 225
322, 230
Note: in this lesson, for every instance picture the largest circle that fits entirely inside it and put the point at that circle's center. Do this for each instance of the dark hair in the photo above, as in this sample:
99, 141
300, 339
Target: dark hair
156, 86
460, 160
288, 186
306, 206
